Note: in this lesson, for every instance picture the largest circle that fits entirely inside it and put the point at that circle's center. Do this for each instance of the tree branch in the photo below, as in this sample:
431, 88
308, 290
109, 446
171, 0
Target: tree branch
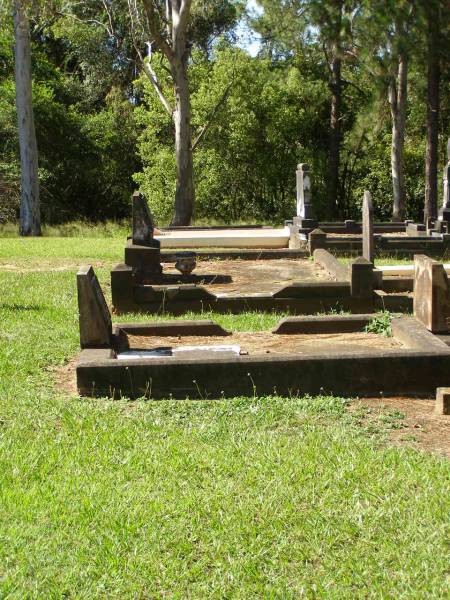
213, 113
148, 70
152, 20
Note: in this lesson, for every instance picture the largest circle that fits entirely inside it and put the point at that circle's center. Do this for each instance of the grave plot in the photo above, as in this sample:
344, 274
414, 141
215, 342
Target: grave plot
146, 283
199, 359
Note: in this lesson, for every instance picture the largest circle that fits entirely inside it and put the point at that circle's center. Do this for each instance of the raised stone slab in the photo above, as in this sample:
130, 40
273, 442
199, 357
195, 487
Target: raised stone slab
431, 294
94, 315
226, 238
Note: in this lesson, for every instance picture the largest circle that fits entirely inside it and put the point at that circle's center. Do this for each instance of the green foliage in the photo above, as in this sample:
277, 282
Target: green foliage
381, 324
245, 164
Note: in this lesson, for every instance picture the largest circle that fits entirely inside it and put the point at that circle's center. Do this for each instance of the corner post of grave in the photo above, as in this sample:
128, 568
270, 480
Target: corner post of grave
317, 239
361, 279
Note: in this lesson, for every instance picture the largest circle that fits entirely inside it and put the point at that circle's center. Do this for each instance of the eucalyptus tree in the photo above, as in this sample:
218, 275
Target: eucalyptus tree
435, 23
30, 220
169, 29
386, 38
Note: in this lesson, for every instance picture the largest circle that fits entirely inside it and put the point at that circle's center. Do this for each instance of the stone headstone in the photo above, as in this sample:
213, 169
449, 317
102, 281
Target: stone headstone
142, 221
431, 294
367, 228
94, 315
304, 204
446, 199
444, 211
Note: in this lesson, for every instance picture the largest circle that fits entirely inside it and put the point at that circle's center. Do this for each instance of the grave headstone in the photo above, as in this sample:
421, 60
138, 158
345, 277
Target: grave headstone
142, 252
431, 294
94, 315
305, 211
142, 222
367, 228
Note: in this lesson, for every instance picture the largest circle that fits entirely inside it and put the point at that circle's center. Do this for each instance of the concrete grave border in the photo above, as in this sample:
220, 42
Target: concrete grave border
417, 369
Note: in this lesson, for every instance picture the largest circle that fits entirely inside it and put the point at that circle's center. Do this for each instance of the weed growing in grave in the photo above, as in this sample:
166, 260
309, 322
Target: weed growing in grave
380, 324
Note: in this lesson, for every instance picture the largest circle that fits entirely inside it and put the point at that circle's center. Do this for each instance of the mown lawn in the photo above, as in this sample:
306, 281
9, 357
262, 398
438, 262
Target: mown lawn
248, 498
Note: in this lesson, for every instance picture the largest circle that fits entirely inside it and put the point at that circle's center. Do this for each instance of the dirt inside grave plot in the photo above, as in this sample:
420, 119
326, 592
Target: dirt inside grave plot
238, 276
263, 342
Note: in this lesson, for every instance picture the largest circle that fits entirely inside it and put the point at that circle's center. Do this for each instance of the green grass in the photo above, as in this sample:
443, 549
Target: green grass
246, 498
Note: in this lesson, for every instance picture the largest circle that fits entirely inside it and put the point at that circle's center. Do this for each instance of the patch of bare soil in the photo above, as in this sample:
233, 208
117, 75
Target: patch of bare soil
47, 265
264, 342
413, 421
250, 275
64, 377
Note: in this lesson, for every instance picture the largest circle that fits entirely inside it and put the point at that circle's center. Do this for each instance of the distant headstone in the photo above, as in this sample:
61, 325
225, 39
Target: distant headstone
94, 315
431, 294
444, 212
305, 212
367, 227
142, 221
446, 199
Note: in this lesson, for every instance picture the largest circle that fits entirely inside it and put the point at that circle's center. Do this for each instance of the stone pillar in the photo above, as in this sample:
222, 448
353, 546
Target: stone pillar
94, 315
444, 213
305, 213
367, 228
431, 294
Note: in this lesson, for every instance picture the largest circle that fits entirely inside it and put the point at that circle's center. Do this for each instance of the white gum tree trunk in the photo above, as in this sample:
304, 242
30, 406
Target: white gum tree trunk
184, 195
398, 101
30, 223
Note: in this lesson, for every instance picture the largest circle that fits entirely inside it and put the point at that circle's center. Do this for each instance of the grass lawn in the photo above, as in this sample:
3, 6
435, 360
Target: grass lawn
248, 498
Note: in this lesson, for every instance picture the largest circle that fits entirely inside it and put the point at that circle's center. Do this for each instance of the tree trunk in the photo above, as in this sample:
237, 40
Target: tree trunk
397, 100
184, 195
433, 77
335, 135
29, 204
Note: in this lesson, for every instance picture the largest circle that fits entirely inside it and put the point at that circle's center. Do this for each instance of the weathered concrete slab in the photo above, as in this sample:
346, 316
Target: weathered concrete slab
94, 315
180, 328
331, 265
431, 294
368, 373
323, 324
